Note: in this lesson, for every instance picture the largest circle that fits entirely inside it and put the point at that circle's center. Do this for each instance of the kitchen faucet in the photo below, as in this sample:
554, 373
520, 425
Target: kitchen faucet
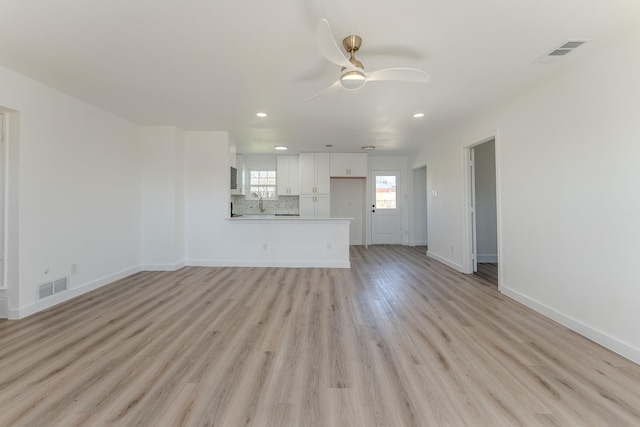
260, 206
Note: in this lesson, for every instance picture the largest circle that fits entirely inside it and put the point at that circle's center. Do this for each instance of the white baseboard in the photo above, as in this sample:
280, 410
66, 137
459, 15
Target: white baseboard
593, 334
163, 267
445, 261
493, 258
4, 308
19, 313
262, 263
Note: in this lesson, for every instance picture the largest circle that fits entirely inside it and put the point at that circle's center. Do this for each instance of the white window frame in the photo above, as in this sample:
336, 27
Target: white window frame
251, 195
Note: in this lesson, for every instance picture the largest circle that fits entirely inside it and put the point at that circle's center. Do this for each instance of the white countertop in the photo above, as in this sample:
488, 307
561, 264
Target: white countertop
271, 217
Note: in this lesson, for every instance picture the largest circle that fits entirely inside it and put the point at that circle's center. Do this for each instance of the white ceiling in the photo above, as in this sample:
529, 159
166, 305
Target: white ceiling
211, 65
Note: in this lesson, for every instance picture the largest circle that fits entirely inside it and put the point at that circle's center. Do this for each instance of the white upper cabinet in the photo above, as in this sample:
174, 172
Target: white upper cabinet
350, 165
288, 176
314, 173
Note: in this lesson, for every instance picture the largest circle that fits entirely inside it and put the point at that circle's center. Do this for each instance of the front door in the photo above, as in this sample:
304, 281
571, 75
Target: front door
386, 212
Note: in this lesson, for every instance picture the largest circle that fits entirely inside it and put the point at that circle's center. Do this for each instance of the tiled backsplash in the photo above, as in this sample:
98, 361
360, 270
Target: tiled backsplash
284, 205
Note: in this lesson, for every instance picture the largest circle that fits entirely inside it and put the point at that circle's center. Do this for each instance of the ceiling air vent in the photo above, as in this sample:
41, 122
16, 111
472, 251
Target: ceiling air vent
560, 51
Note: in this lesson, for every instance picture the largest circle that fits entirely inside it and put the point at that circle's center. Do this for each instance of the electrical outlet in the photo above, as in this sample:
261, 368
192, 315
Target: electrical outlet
74, 269
451, 248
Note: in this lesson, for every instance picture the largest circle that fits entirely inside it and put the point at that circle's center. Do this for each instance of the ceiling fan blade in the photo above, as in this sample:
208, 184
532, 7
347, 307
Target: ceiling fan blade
330, 89
399, 74
328, 47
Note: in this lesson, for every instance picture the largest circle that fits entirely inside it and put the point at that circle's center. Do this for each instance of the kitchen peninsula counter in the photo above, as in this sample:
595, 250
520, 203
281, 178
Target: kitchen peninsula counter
283, 217
268, 240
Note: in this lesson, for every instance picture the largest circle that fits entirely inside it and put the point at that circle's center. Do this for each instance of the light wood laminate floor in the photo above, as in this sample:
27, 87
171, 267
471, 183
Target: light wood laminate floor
397, 340
488, 272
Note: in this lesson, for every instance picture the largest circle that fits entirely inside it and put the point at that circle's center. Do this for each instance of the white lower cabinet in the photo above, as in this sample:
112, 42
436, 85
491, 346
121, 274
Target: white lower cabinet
315, 206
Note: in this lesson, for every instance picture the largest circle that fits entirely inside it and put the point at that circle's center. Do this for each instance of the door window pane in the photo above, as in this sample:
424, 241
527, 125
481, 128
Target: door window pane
385, 192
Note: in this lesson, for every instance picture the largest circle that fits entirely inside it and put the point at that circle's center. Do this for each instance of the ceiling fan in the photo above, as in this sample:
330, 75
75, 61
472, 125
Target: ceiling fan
352, 75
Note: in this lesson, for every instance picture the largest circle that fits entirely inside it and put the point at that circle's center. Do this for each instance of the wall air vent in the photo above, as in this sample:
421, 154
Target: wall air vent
560, 51
59, 285
51, 288
45, 290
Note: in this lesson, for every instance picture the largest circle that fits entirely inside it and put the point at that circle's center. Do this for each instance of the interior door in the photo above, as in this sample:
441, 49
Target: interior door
386, 208
2, 187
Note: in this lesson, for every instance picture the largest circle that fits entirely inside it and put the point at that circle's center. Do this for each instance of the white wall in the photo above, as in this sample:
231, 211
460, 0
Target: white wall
418, 232
260, 161
486, 214
348, 201
79, 192
162, 197
214, 239
568, 195
207, 193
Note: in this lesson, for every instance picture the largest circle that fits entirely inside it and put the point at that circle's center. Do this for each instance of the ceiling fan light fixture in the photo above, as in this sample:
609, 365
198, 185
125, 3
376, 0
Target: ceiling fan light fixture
368, 148
352, 79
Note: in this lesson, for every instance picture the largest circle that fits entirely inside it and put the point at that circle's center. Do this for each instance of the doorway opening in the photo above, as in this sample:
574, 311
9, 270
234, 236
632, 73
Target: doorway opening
2, 199
419, 228
483, 212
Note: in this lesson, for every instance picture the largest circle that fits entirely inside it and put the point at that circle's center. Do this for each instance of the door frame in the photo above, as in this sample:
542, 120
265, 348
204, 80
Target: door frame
413, 220
9, 292
371, 198
467, 259
471, 171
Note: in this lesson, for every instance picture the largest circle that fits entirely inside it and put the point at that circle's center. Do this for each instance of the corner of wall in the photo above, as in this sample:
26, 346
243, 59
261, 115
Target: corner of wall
22, 312
446, 262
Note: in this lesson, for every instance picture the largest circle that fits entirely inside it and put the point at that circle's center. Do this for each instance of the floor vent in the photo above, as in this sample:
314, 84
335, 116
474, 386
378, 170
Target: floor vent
560, 51
51, 288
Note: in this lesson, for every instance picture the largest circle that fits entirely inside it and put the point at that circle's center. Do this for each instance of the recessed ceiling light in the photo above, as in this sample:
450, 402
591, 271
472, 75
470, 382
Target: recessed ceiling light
418, 115
329, 145
280, 147
261, 114
368, 148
